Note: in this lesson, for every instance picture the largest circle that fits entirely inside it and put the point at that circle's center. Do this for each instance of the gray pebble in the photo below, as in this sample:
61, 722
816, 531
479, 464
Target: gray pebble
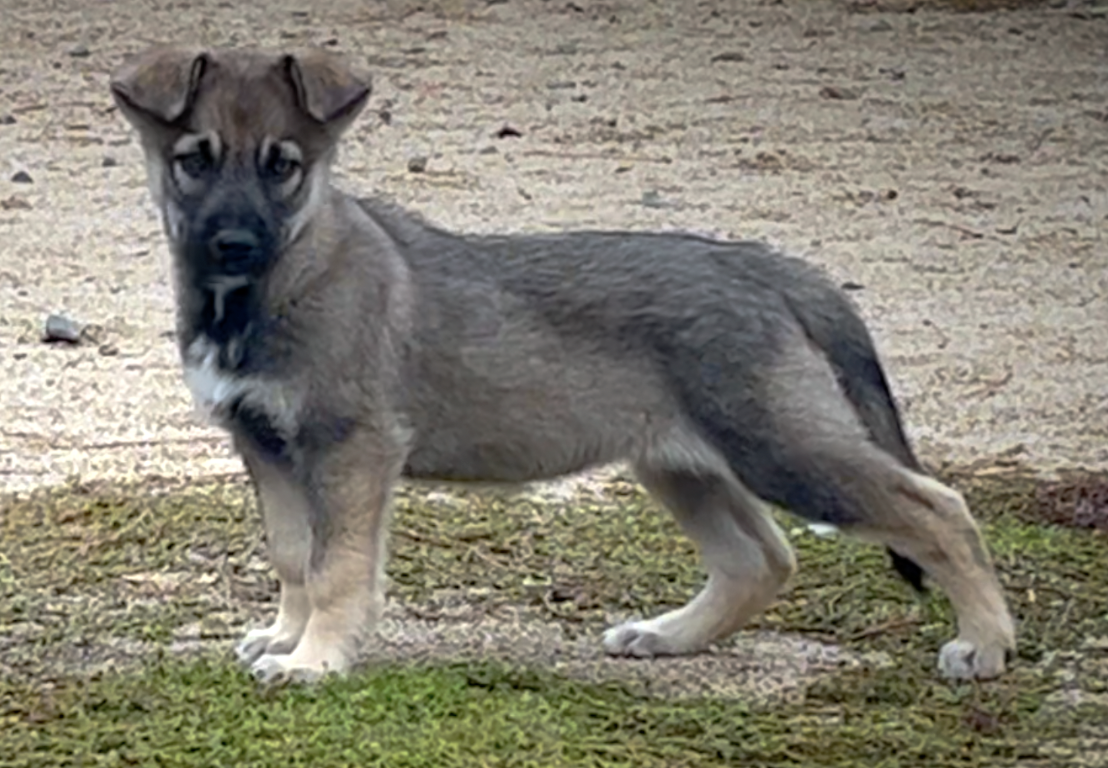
653, 199
22, 177
417, 164
60, 328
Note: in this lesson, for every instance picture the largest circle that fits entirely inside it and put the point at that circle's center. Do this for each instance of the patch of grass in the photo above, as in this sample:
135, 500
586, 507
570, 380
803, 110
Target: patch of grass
208, 713
87, 566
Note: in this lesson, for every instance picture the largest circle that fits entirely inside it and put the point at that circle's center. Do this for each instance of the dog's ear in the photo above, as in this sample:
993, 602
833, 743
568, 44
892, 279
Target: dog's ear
158, 85
327, 90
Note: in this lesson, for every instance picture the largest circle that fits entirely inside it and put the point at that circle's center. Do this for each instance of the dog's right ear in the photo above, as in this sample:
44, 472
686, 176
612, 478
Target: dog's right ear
159, 85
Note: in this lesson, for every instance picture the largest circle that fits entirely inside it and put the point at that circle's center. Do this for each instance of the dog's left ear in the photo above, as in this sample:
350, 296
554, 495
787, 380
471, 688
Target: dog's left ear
158, 85
327, 90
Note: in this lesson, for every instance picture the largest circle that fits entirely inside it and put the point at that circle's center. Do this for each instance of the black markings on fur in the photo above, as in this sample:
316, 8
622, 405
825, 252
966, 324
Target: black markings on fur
909, 570
843, 338
239, 309
254, 425
249, 340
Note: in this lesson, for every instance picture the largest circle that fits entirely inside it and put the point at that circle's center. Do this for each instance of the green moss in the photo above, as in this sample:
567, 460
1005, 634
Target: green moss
98, 567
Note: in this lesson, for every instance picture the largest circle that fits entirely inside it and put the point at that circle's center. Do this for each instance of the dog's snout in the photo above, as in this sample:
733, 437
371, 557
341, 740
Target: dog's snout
236, 249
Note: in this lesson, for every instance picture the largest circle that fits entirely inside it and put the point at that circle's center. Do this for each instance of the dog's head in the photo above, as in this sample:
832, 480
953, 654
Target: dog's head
238, 147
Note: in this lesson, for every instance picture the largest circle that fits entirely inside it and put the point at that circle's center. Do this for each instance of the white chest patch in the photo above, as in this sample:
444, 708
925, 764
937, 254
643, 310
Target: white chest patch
213, 389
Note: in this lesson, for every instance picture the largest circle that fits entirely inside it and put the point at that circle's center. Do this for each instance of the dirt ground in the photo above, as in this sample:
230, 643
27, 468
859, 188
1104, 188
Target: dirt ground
984, 275
949, 167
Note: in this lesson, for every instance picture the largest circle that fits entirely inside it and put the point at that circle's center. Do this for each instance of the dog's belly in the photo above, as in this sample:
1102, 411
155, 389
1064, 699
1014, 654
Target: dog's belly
512, 455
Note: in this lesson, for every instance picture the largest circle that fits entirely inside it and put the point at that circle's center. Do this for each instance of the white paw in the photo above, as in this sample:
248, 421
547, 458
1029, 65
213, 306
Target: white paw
253, 645
272, 640
287, 668
642, 640
963, 660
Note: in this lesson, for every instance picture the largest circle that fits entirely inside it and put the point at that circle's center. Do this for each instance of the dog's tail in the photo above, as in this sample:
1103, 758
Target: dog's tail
835, 327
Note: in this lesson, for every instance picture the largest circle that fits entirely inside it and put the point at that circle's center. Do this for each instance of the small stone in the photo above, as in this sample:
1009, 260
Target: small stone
728, 56
108, 350
580, 98
880, 26
109, 162
79, 52
1004, 158
850, 285
832, 92
417, 164
60, 328
14, 203
508, 131
653, 199
22, 177
7, 119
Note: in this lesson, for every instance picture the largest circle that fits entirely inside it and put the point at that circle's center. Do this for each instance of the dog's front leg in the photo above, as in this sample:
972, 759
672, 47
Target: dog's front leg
349, 495
287, 514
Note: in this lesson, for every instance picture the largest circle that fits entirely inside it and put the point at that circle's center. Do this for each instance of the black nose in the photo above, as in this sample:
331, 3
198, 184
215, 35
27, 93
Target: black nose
236, 249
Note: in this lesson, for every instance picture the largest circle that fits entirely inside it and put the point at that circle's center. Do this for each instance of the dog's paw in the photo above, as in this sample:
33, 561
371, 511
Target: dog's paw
253, 645
640, 639
271, 668
964, 660
262, 641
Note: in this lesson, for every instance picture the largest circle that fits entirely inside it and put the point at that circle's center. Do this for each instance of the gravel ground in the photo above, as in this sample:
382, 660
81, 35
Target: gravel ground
950, 168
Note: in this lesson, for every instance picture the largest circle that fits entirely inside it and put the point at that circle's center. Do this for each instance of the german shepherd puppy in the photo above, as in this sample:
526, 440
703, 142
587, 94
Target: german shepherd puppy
346, 344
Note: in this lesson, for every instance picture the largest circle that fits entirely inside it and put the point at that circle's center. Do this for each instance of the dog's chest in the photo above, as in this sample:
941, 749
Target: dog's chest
214, 389
261, 411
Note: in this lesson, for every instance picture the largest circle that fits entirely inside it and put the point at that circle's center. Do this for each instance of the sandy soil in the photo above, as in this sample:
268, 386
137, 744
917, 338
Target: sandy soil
983, 275
951, 167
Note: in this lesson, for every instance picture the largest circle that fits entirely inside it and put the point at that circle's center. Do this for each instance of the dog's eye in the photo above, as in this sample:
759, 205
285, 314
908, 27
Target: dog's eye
196, 164
279, 166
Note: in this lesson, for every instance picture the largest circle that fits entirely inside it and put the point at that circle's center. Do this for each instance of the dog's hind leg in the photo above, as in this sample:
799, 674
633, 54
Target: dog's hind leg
930, 523
745, 553
284, 508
